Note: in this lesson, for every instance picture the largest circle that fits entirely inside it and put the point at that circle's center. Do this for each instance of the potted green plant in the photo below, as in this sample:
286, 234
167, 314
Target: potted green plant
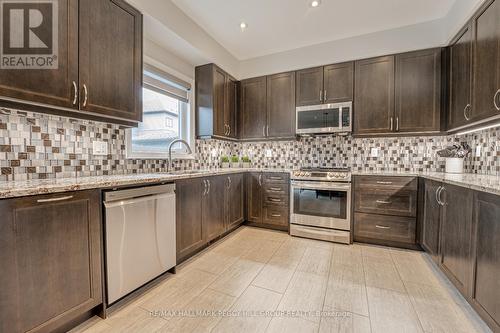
246, 162
235, 162
225, 161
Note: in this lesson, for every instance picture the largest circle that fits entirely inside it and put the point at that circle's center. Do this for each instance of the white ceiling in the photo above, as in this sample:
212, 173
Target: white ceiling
282, 25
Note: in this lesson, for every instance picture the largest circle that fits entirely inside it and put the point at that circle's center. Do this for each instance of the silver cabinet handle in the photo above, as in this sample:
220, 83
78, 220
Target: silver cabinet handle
392, 123
55, 199
267, 130
209, 185
324, 96
437, 194
274, 200
321, 95
264, 130
275, 215
383, 202
384, 183
85, 95
229, 182
441, 202
204, 187
260, 180
229, 126
275, 178
466, 109
495, 100
397, 124
275, 189
225, 129
75, 90
382, 227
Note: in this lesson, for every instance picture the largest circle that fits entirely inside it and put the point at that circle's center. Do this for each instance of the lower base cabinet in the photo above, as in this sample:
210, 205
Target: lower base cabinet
50, 254
431, 220
234, 201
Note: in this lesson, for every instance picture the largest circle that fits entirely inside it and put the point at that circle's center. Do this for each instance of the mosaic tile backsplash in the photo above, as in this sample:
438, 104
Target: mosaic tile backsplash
34, 146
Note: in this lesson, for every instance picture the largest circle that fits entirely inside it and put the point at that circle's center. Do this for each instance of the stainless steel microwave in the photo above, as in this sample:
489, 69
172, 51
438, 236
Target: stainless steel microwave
324, 118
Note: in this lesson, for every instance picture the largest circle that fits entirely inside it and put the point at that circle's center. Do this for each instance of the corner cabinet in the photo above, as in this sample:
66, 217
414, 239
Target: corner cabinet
50, 253
99, 74
431, 221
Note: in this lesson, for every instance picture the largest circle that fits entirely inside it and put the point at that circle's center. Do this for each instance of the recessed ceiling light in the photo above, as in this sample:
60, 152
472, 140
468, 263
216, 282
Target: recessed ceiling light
315, 3
243, 25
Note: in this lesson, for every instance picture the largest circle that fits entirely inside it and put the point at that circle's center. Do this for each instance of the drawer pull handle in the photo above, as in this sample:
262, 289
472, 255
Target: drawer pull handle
55, 199
382, 227
275, 189
275, 215
384, 183
383, 202
274, 200
275, 178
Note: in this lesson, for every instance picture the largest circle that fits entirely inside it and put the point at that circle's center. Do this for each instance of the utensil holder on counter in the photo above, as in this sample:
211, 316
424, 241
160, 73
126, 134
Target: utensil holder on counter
454, 165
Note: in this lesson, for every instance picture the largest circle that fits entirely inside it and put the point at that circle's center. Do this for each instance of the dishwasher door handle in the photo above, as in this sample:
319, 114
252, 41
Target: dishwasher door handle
131, 201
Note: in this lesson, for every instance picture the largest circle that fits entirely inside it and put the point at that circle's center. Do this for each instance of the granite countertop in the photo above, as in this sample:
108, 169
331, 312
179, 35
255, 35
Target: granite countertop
11, 189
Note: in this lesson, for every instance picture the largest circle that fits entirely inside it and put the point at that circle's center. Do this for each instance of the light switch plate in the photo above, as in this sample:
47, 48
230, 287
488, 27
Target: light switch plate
374, 152
478, 151
100, 148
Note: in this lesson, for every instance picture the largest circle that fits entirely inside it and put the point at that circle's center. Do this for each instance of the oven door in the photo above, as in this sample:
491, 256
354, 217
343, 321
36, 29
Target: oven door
321, 204
324, 118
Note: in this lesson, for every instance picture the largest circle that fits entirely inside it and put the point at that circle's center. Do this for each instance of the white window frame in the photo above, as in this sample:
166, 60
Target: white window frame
187, 129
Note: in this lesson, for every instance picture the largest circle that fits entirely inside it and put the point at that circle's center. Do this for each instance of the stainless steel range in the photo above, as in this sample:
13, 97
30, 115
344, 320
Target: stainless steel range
321, 204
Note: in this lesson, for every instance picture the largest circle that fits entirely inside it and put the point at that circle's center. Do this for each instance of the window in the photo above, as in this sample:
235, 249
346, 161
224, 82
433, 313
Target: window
166, 117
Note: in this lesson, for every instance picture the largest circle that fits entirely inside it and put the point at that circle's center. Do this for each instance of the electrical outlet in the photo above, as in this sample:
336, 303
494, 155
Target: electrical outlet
374, 152
269, 153
100, 148
478, 151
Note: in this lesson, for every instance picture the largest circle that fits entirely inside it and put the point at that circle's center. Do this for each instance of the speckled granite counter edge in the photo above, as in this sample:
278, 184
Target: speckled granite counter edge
12, 189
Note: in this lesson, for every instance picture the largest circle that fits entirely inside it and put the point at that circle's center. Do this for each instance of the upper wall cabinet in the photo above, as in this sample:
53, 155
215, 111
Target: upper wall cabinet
398, 94
99, 66
253, 104
328, 84
216, 103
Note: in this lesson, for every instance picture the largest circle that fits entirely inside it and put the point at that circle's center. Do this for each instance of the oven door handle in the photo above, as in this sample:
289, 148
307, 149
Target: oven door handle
309, 186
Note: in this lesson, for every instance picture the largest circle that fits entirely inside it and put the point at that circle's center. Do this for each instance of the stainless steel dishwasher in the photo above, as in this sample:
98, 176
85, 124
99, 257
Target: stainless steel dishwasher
140, 237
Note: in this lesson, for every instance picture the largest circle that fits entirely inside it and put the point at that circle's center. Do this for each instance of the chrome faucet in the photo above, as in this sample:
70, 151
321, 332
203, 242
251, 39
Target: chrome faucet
170, 151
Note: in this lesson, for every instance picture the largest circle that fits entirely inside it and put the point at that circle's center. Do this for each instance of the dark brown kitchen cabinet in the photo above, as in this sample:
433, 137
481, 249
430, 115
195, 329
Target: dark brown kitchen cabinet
309, 86
189, 217
457, 236
431, 220
486, 295
338, 82
460, 53
213, 207
253, 106
234, 200
281, 105
216, 102
486, 62
50, 253
254, 197
374, 96
418, 92
55, 86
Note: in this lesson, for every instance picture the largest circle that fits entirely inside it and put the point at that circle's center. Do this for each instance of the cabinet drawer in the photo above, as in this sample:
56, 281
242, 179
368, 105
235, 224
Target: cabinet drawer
385, 228
400, 203
386, 183
276, 215
271, 199
276, 189
274, 177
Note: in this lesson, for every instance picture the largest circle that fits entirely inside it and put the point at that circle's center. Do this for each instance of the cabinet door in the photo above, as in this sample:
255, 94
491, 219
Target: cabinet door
213, 208
418, 91
456, 236
234, 200
460, 79
111, 59
374, 96
486, 61
309, 86
189, 229
231, 108
254, 197
487, 287
220, 121
50, 253
339, 82
253, 108
50, 86
431, 220
281, 105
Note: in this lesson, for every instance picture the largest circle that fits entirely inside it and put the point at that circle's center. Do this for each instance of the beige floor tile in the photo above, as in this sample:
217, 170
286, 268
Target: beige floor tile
306, 292
237, 277
413, 268
316, 260
214, 262
349, 255
262, 251
391, 311
292, 325
253, 300
344, 322
134, 320
346, 289
382, 275
93, 325
178, 292
437, 311
375, 253
274, 278
209, 300
288, 255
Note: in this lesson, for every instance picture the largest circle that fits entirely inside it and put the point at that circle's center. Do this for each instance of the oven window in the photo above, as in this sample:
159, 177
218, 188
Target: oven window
323, 203
318, 119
